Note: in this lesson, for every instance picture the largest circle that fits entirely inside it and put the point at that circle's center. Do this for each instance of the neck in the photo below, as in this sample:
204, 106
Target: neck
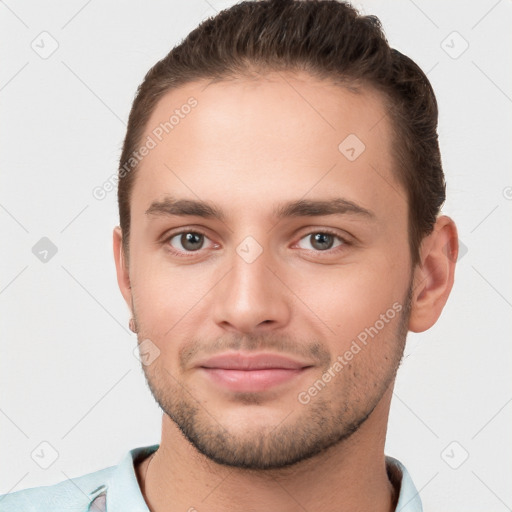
348, 476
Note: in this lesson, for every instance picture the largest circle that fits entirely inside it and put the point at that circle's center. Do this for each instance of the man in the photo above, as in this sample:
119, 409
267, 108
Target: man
279, 193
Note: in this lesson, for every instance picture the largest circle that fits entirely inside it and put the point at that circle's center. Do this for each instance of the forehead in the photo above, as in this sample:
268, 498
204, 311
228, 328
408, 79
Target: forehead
284, 134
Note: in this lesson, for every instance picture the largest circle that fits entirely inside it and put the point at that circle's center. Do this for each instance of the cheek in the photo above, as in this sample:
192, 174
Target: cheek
351, 299
165, 296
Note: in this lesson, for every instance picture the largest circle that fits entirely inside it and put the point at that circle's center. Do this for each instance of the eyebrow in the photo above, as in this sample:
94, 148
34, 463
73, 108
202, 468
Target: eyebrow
313, 208
171, 206
299, 208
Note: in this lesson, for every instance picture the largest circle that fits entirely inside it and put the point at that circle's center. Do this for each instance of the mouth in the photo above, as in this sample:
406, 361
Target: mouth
251, 373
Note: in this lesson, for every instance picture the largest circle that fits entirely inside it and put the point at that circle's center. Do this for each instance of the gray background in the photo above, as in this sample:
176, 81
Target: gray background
69, 377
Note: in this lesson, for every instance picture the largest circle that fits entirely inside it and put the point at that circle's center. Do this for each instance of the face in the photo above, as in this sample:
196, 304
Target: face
269, 267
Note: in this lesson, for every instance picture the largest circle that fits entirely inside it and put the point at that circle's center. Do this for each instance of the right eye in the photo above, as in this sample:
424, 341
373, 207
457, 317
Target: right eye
188, 241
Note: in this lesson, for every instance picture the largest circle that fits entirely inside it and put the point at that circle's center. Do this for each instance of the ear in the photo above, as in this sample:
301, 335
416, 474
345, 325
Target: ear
123, 276
433, 276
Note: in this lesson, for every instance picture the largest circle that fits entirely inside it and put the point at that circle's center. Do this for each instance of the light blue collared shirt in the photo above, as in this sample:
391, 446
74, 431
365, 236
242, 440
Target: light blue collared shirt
118, 489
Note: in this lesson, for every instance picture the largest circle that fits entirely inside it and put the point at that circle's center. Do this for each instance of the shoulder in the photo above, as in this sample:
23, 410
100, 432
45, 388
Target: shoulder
72, 495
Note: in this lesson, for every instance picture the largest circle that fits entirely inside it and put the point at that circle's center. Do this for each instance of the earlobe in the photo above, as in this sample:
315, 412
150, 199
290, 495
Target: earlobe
123, 276
434, 275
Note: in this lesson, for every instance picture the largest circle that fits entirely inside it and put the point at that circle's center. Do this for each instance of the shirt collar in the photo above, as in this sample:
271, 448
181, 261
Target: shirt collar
409, 498
124, 492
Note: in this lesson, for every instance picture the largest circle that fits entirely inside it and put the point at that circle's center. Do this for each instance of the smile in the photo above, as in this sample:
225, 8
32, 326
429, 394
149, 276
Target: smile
251, 373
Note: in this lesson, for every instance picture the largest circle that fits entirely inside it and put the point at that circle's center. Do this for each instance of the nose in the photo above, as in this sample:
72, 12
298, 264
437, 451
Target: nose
251, 298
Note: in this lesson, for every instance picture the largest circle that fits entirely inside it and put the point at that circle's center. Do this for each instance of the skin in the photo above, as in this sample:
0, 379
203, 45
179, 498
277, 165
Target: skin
249, 146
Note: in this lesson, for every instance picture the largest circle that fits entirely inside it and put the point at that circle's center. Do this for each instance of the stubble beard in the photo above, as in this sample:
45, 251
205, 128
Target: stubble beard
304, 432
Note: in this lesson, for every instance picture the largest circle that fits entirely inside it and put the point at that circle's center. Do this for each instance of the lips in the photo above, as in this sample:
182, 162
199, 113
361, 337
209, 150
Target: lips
241, 361
245, 372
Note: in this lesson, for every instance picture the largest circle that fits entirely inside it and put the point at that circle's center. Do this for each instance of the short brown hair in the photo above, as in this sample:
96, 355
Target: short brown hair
328, 39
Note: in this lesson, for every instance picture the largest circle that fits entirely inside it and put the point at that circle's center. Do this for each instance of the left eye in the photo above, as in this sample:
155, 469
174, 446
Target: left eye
320, 241
188, 241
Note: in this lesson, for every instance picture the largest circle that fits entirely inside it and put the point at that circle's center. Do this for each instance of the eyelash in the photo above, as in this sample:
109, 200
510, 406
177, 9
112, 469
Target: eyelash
188, 254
